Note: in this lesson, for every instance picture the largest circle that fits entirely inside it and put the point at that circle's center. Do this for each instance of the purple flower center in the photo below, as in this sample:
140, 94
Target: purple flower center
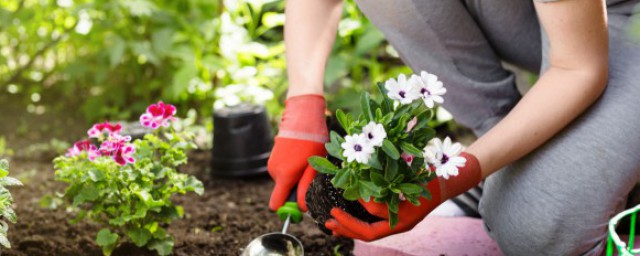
401, 93
445, 159
357, 148
425, 91
370, 135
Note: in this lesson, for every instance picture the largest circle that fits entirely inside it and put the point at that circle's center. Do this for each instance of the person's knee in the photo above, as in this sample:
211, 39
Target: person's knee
551, 236
523, 227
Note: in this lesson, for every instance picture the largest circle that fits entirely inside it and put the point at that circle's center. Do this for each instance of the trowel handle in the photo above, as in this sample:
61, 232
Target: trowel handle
290, 208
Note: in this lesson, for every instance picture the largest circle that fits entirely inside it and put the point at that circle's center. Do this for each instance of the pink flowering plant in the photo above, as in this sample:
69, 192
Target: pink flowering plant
126, 186
389, 152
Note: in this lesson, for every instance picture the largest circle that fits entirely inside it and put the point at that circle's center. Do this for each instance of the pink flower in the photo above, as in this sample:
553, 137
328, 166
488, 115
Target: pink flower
97, 129
401, 197
408, 158
412, 124
110, 146
158, 115
118, 148
124, 155
84, 145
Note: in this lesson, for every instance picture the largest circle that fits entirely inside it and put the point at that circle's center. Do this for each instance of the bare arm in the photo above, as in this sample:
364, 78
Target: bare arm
309, 32
576, 77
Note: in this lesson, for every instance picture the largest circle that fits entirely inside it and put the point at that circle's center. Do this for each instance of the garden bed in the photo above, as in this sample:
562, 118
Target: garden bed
221, 222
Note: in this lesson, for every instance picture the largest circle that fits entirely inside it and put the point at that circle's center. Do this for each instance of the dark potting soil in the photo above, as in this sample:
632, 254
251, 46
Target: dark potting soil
221, 222
322, 197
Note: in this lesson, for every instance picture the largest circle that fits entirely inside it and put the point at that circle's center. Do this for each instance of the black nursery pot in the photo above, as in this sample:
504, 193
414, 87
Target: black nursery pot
322, 196
242, 141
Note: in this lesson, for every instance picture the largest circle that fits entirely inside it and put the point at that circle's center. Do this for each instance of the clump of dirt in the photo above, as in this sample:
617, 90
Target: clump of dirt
322, 196
221, 222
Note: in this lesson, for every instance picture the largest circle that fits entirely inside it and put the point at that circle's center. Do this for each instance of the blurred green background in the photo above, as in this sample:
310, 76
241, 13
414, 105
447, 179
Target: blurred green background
111, 58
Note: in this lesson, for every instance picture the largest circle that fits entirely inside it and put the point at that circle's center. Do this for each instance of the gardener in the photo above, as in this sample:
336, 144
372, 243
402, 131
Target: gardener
567, 151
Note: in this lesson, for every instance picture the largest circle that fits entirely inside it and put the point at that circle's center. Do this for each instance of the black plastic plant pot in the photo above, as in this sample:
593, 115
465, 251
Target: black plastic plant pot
322, 196
242, 141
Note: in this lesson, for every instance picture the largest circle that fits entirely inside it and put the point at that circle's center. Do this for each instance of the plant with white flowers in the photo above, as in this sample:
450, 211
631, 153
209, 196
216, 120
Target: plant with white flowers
390, 153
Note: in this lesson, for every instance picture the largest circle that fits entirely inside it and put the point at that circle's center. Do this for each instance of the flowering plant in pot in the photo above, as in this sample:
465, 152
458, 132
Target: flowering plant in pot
6, 202
387, 154
126, 186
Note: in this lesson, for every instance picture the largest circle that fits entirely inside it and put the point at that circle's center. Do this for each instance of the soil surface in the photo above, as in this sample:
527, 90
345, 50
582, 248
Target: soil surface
221, 222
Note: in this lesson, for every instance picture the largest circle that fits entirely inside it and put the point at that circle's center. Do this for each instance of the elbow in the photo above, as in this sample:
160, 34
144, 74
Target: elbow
599, 78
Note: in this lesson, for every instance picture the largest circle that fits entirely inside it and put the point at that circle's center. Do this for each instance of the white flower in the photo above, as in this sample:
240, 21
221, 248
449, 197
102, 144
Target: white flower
444, 156
375, 133
357, 147
429, 89
401, 90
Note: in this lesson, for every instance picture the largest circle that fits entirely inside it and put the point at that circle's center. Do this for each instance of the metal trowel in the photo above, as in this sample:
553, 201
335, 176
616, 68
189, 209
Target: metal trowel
279, 243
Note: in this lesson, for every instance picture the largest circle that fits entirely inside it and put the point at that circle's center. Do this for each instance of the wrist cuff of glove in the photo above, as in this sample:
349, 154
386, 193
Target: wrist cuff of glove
304, 118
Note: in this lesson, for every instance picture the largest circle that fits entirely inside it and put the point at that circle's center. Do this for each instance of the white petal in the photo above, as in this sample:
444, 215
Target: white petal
453, 150
428, 102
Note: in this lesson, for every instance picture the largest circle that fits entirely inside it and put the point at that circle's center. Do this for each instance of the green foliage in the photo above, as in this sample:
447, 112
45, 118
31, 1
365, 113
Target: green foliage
6, 201
132, 202
386, 177
197, 53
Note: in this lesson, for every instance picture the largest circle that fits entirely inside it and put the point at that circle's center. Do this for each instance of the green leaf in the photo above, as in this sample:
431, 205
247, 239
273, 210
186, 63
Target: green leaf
195, 185
371, 39
322, 165
409, 188
96, 175
393, 219
105, 237
181, 81
387, 107
391, 170
351, 193
423, 119
409, 148
139, 236
370, 187
88, 193
10, 215
342, 119
336, 138
9, 181
390, 149
375, 162
163, 247
4, 168
334, 150
4, 241
393, 205
341, 180
378, 179
366, 107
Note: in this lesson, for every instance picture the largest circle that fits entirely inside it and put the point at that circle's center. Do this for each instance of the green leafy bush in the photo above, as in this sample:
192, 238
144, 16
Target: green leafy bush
129, 192
6, 202
196, 53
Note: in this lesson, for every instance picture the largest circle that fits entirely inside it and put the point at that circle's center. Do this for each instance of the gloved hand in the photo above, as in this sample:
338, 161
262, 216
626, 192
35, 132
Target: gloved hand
302, 134
409, 215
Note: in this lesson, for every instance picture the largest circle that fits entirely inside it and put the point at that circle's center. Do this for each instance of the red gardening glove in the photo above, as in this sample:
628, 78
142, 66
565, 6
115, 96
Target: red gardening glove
409, 215
302, 134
